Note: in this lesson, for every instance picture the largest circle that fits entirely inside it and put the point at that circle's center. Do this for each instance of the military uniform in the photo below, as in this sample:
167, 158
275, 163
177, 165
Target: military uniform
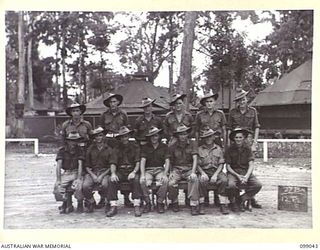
181, 159
83, 128
142, 126
238, 158
98, 160
154, 169
247, 120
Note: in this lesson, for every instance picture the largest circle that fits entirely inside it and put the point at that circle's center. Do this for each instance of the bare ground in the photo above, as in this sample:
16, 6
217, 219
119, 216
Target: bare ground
29, 202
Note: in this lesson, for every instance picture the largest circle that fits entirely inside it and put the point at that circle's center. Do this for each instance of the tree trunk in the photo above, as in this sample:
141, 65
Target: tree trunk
63, 62
57, 86
185, 80
30, 74
171, 59
19, 108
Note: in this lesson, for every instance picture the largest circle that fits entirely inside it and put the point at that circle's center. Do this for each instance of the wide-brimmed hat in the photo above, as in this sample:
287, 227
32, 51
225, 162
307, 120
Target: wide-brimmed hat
238, 130
152, 131
182, 128
146, 102
208, 132
176, 97
97, 131
208, 95
123, 131
240, 95
82, 108
74, 136
110, 95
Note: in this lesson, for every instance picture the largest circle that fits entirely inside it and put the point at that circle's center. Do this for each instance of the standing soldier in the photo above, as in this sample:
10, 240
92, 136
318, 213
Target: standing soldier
210, 167
154, 165
128, 154
70, 159
99, 160
112, 120
78, 124
183, 159
245, 117
239, 160
177, 117
144, 122
211, 117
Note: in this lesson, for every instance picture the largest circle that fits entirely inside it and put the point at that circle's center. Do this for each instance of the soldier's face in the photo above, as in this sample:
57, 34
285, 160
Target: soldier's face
209, 140
124, 139
75, 112
243, 102
179, 105
71, 144
239, 139
147, 109
183, 136
99, 138
154, 139
210, 103
113, 103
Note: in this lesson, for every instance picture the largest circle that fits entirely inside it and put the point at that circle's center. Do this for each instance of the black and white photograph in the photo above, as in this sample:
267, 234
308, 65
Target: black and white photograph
158, 119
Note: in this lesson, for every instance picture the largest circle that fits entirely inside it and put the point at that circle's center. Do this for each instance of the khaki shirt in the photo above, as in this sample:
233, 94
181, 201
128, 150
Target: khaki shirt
83, 128
171, 122
210, 157
112, 122
248, 120
215, 121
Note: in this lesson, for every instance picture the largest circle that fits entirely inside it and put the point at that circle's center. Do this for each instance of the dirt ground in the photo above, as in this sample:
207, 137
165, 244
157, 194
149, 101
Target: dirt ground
29, 202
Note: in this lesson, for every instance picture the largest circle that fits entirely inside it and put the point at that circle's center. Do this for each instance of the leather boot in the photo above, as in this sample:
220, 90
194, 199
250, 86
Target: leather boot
112, 212
137, 211
255, 204
147, 207
160, 208
194, 210
206, 201
224, 209
201, 209
63, 207
69, 207
80, 206
175, 207
216, 200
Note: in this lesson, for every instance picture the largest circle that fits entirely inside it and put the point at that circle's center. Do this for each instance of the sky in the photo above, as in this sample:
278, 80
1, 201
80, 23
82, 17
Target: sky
252, 32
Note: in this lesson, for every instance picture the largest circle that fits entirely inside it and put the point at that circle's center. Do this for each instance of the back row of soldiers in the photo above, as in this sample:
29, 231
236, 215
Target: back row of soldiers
112, 158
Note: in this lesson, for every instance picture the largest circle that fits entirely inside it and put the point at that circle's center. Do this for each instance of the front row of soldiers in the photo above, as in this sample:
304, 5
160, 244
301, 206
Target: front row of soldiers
106, 168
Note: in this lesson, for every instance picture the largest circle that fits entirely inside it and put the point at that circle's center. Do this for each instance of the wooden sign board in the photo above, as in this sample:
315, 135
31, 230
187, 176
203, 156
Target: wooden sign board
293, 198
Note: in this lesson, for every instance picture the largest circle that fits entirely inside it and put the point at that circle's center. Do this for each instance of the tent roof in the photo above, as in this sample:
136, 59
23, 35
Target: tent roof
132, 93
291, 88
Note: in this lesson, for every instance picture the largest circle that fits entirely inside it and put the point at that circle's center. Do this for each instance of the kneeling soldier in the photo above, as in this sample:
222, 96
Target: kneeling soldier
99, 160
183, 158
239, 159
69, 158
127, 167
154, 165
210, 167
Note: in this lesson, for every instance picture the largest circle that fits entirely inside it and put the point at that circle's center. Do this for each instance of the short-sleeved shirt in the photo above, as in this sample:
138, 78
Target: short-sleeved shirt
248, 120
181, 154
155, 157
70, 158
171, 122
112, 122
142, 125
238, 158
100, 159
128, 155
210, 157
215, 121
83, 128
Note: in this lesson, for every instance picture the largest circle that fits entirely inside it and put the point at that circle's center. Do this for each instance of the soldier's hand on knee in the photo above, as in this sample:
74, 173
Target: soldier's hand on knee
204, 177
193, 177
213, 179
143, 179
132, 175
114, 178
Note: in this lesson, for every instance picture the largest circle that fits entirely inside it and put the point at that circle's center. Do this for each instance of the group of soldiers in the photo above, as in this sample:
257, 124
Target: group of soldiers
203, 151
